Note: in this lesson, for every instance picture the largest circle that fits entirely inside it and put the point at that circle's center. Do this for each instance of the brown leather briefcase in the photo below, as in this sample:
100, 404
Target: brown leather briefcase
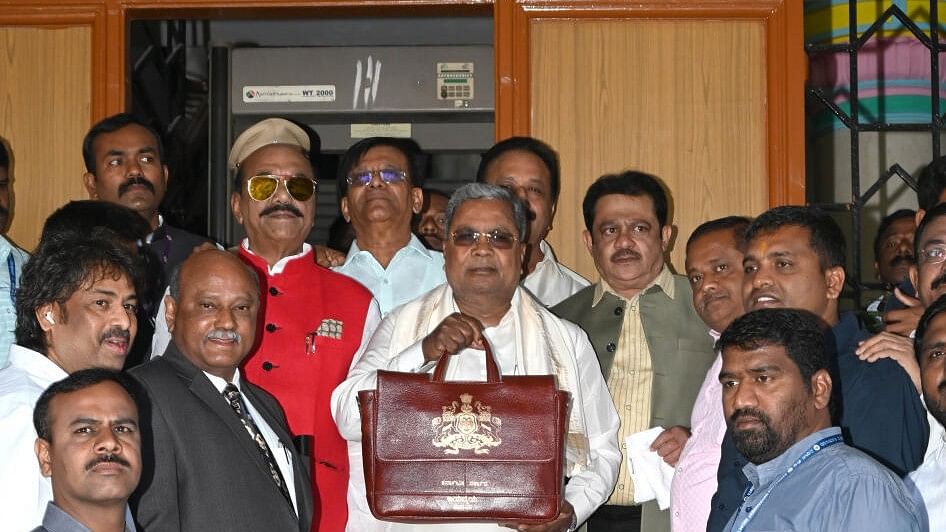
438, 451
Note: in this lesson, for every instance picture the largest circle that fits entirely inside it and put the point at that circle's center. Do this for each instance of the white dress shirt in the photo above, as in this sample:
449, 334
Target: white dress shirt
413, 271
281, 454
585, 491
551, 282
930, 478
24, 491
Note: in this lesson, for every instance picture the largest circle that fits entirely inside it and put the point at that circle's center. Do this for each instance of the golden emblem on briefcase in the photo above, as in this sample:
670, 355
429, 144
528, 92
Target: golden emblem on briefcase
468, 426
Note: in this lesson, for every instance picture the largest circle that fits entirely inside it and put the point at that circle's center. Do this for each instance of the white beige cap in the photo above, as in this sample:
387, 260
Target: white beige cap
264, 133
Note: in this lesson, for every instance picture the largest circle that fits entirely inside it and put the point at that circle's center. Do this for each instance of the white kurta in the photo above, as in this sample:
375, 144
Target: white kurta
585, 490
551, 282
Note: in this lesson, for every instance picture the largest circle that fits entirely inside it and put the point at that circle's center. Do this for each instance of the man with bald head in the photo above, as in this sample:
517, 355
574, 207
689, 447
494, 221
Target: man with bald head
251, 478
313, 320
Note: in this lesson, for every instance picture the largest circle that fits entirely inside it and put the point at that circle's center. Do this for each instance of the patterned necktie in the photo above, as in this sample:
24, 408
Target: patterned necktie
233, 396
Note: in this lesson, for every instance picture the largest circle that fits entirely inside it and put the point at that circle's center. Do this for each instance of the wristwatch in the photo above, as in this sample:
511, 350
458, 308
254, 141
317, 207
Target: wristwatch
574, 526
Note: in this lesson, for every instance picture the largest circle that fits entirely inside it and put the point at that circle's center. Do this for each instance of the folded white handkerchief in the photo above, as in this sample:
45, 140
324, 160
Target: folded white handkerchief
651, 475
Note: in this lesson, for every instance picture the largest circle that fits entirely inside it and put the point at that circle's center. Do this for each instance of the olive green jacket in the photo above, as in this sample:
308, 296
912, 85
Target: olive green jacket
681, 352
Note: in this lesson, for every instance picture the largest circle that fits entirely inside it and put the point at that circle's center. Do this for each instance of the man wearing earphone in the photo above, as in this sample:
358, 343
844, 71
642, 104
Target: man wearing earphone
76, 309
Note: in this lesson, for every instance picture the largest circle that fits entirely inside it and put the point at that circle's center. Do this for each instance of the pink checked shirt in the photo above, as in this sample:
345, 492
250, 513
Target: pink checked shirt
694, 481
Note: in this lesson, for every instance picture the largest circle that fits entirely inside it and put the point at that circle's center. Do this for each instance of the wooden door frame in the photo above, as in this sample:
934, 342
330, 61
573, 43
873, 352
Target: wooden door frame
786, 68
92, 15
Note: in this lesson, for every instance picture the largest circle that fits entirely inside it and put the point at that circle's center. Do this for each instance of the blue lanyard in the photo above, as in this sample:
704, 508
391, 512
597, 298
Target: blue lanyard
823, 443
11, 268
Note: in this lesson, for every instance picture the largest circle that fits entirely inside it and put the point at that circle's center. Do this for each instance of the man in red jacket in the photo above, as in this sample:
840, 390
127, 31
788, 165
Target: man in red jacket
313, 320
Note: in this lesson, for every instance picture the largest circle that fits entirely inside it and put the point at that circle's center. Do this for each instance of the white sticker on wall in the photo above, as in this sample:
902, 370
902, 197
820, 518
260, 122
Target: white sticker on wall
288, 93
455, 81
363, 131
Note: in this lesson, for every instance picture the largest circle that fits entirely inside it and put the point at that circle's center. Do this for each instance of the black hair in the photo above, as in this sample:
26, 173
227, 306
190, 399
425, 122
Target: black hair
935, 309
736, 224
4, 156
112, 124
936, 212
416, 160
800, 332
885, 223
543, 151
76, 219
434, 192
629, 183
75, 382
826, 238
931, 184
340, 234
58, 268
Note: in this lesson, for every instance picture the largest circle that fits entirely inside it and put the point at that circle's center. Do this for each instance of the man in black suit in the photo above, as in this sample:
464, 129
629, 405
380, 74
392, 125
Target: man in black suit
216, 451
125, 164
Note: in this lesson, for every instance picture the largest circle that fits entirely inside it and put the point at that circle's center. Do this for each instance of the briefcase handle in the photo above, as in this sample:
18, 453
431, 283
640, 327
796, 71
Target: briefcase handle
492, 370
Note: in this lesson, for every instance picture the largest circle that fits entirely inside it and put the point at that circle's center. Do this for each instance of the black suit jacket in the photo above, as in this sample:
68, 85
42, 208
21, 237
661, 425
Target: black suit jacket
169, 247
201, 471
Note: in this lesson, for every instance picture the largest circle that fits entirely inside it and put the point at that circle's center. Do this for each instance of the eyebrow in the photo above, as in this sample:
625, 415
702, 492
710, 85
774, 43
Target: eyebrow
267, 171
93, 421
104, 292
933, 345
769, 368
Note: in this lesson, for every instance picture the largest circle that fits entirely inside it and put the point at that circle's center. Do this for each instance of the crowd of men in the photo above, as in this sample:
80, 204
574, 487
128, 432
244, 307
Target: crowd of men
151, 380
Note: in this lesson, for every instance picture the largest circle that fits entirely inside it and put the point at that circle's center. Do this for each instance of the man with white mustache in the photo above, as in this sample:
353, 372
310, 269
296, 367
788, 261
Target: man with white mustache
216, 450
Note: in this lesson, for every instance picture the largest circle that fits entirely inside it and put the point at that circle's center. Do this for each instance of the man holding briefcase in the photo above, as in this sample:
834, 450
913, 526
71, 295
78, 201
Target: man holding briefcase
482, 301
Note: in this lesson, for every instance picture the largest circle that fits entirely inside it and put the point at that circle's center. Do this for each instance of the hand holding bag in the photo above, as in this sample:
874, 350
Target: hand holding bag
457, 451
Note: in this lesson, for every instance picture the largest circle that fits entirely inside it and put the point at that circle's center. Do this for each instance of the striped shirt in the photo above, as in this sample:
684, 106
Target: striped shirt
631, 378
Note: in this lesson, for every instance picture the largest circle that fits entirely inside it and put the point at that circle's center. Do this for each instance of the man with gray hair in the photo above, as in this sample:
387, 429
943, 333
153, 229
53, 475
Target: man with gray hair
483, 301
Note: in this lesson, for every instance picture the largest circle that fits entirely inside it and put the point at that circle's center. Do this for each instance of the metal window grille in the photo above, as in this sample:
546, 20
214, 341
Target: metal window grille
853, 122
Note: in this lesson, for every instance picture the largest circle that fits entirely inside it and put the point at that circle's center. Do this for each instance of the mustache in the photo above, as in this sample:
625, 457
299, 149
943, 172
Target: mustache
905, 260
291, 209
132, 181
224, 334
938, 282
625, 254
106, 458
750, 412
116, 332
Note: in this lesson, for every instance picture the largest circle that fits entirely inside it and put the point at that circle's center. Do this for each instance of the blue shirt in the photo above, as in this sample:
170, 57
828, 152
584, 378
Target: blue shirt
836, 488
414, 270
880, 412
56, 520
10, 255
